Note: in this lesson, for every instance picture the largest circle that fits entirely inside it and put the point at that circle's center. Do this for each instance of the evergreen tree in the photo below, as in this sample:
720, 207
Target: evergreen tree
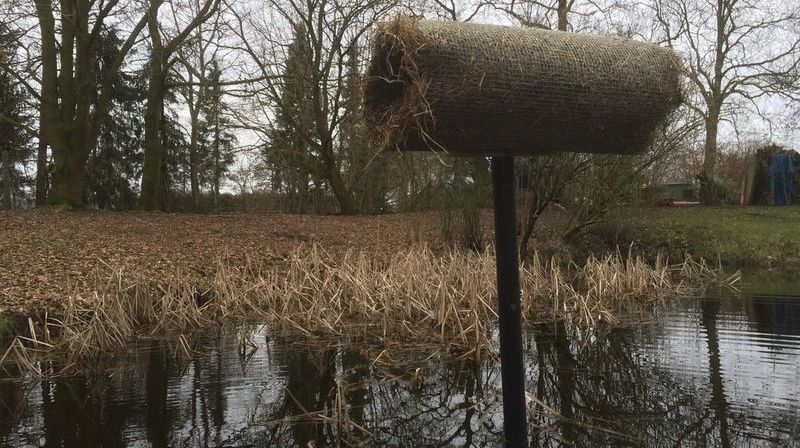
362, 168
117, 160
15, 132
175, 168
216, 141
290, 138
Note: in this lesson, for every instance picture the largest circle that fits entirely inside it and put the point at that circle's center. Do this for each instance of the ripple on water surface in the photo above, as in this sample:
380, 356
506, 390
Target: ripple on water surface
705, 372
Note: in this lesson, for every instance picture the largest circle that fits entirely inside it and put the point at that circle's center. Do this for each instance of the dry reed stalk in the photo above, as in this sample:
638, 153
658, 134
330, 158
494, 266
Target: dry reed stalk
412, 295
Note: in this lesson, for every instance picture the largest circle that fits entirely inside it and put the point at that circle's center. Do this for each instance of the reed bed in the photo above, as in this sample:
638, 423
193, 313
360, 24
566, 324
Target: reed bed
416, 296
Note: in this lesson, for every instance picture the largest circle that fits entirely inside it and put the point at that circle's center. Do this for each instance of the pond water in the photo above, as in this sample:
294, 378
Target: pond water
706, 372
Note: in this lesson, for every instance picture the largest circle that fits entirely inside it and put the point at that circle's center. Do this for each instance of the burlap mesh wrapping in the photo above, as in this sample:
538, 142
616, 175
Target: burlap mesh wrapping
485, 89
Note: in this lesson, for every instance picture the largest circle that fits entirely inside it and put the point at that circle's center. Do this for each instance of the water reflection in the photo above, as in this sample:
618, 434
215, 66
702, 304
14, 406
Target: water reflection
716, 372
779, 316
710, 309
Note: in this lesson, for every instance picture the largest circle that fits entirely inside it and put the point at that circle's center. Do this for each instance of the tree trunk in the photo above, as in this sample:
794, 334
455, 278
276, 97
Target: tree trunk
153, 146
68, 125
154, 178
150, 198
71, 138
563, 10
708, 187
217, 155
69, 161
41, 173
343, 193
534, 212
214, 201
194, 179
347, 203
7, 183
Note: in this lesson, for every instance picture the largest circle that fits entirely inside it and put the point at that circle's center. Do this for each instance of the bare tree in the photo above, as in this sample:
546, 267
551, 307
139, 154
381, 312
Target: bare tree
563, 15
537, 14
735, 50
329, 31
455, 10
164, 45
200, 50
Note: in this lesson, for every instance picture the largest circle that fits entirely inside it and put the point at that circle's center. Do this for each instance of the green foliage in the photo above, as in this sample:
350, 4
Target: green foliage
289, 154
116, 161
216, 141
15, 126
725, 191
175, 171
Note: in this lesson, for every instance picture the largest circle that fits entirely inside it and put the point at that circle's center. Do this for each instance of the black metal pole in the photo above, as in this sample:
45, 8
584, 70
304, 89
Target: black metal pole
515, 421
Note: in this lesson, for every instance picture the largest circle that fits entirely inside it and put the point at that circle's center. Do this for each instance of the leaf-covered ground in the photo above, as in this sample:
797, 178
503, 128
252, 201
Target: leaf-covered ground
46, 255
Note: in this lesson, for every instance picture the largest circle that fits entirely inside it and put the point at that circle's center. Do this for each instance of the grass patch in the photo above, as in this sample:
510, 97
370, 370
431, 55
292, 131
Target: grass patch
740, 237
771, 285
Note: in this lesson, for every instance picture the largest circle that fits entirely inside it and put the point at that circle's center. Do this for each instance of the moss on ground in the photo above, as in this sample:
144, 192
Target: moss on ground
742, 237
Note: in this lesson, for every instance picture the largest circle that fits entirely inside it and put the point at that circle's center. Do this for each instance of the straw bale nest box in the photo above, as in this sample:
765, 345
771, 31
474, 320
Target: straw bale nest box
493, 90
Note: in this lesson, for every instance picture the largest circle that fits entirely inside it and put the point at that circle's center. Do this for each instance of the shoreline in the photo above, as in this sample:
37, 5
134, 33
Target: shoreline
48, 254
762, 241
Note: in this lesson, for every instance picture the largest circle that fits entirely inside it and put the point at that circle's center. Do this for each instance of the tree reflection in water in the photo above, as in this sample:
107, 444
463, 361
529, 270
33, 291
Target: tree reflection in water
625, 387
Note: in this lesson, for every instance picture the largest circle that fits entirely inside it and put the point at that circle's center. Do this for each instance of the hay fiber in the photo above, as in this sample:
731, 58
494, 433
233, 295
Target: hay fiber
494, 90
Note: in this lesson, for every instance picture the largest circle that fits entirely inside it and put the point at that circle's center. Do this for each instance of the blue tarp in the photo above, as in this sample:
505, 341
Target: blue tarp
781, 174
